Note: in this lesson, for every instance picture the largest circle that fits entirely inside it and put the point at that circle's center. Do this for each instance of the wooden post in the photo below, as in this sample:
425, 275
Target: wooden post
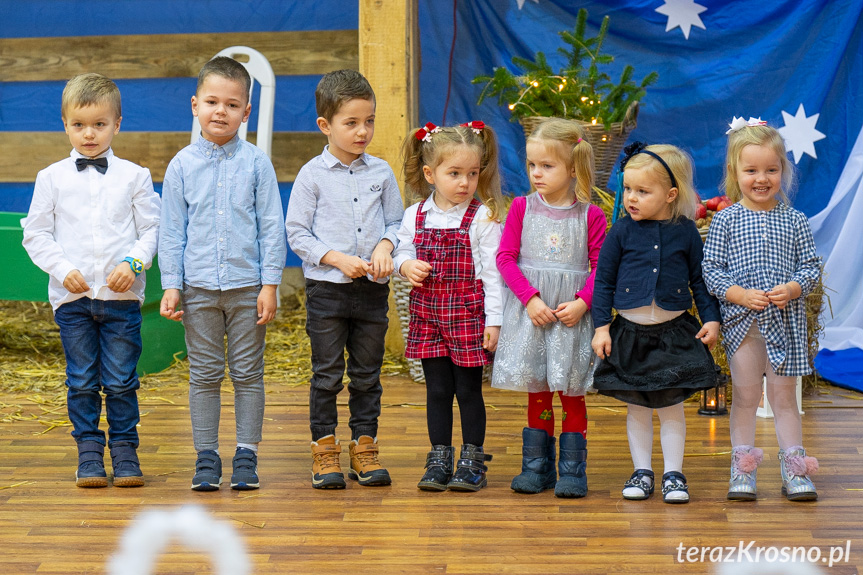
389, 59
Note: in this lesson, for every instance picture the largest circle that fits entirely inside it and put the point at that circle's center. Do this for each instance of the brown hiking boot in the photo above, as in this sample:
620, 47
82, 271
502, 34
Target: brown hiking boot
326, 470
365, 467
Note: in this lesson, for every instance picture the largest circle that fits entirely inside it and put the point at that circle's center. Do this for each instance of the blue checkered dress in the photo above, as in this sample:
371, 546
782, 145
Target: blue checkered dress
760, 250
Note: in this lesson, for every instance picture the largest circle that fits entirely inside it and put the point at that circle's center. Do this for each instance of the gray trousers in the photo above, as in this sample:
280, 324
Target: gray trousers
209, 316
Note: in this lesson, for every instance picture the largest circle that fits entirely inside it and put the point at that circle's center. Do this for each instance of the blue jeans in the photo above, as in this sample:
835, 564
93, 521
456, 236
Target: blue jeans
352, 317
210, 315
102, 343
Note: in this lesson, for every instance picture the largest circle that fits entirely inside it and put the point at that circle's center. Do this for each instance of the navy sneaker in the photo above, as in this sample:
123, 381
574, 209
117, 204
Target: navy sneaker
127, 468
245, 474
91, 465
208, 471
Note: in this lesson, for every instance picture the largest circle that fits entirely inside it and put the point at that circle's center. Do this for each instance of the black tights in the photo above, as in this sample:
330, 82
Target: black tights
445, 380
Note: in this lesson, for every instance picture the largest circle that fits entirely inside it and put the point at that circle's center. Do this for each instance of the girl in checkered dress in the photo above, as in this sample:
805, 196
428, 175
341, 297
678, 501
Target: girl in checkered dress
760, 261
654, 354
447, 248
547, 257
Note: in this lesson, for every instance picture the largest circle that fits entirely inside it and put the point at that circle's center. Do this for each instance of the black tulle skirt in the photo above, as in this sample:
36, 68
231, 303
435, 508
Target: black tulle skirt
655, 365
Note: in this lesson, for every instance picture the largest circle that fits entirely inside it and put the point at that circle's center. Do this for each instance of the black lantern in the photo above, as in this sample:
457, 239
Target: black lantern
713, 398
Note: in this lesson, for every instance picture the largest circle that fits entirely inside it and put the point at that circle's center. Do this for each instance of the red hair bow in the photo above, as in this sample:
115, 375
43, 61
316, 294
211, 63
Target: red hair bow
424, 134
477, 126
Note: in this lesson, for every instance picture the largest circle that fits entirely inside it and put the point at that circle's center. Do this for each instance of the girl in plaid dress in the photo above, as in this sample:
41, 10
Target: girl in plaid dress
447, 248
760, 261
547, 257
654, 354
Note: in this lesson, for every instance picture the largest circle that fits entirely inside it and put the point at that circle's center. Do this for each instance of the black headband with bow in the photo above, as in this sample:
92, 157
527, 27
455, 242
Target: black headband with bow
641, 148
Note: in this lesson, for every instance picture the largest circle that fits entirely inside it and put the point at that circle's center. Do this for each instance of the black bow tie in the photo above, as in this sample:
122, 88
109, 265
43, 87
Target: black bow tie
101, 164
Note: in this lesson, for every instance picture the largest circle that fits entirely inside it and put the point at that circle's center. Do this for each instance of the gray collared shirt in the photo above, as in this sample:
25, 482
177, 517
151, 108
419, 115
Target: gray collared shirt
221, 218
349, 209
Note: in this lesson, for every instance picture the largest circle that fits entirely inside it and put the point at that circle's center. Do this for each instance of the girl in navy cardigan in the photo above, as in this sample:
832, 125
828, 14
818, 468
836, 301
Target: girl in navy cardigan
654, 354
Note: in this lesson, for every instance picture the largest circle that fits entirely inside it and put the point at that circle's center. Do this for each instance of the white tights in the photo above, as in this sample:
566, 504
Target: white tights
749, 365
672, 435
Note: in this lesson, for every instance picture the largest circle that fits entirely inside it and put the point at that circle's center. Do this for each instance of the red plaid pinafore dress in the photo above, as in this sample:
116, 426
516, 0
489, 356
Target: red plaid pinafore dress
448, 311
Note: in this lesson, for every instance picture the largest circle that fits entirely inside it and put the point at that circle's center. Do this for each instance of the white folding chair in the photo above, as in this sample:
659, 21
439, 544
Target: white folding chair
259, 69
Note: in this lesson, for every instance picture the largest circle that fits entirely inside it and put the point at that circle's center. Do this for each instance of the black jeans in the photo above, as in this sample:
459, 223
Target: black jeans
352, 317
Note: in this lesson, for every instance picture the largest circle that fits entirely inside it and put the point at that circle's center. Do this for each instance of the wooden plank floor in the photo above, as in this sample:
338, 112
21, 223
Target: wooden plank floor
48, 526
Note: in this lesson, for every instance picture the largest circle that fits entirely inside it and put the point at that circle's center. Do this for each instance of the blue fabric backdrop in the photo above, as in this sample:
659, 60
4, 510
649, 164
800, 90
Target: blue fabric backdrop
752, 58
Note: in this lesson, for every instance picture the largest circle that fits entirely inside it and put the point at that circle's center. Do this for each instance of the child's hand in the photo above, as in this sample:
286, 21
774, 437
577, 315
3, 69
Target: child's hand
266, 304
754, 299
601, 343
539, 313
708, 334
783, 293
75, 282
169, 305
121, 278
351, 266
570, 312
415, 271
490, 336
382, 260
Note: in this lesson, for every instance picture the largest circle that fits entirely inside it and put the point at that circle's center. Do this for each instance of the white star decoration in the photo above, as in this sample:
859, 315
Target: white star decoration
683, 13
800, 134
521, 3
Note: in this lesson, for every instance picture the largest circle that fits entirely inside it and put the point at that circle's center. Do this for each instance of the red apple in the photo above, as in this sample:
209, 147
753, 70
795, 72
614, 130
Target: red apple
722, 205
700, 211
713, 202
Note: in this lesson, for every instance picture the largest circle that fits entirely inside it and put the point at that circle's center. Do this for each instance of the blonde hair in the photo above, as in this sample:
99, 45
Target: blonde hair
417, 153
90, 89
756, 136
680, 165
569, 137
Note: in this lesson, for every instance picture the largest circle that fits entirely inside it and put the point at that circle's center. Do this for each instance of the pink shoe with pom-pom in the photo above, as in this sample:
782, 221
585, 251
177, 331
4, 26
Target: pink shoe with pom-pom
796, 469
744, 463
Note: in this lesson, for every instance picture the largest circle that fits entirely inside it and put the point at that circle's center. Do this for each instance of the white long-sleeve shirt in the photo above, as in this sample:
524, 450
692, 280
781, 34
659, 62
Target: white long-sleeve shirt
484, 240
90, 222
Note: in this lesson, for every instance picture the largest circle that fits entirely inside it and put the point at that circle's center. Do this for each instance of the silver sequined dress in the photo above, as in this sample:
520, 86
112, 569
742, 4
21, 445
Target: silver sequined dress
554, 259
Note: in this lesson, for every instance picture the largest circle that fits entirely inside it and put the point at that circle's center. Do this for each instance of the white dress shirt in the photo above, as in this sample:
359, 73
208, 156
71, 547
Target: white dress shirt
484, 240
90, 222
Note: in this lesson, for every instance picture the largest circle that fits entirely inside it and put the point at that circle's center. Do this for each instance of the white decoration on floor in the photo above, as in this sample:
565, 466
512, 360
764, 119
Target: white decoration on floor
147, 537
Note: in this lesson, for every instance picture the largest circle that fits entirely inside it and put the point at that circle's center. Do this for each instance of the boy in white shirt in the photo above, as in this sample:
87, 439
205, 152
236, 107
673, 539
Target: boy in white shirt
93, 227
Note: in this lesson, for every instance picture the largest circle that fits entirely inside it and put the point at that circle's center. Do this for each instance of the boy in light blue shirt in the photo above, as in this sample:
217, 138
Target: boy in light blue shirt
222, 251
343, 215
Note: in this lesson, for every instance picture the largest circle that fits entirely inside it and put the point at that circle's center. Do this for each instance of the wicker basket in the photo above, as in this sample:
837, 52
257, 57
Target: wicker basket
607, 144
402, 295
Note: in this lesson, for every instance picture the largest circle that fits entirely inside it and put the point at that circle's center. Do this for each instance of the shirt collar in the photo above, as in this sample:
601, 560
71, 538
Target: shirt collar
331, 161
230, 147
109, 153
459, 209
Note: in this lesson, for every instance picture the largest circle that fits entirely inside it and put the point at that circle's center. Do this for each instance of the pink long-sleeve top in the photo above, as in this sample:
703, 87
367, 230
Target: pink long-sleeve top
510, 247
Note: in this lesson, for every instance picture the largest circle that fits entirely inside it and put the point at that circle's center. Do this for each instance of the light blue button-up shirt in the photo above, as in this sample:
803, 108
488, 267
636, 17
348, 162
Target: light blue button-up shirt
222, 225
349, 209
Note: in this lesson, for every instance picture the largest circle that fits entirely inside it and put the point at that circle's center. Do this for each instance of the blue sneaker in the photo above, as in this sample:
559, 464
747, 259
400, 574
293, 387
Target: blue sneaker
208, 471
245, 474
127, 468
91, 465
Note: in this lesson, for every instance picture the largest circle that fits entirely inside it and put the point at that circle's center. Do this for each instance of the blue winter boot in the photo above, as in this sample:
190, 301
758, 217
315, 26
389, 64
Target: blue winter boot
537, 462
572, 466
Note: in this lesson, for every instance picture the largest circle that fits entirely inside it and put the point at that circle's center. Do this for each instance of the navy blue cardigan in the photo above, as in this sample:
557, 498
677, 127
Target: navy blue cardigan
651, 260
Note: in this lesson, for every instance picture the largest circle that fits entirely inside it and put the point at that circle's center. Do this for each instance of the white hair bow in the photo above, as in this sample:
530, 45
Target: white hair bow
740, 123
